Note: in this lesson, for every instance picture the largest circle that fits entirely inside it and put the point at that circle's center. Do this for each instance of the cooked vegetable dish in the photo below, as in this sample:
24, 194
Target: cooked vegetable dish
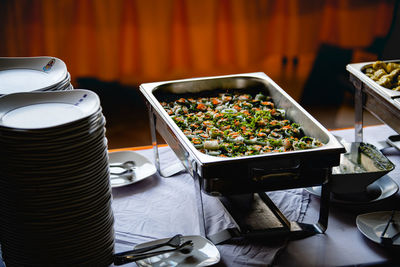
233, 124
385, 74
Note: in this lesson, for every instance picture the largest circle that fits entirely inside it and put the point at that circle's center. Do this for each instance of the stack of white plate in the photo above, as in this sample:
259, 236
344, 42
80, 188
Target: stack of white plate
55, 197
28, 74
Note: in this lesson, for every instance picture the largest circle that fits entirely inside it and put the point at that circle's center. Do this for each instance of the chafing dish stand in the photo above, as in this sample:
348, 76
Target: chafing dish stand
251, 212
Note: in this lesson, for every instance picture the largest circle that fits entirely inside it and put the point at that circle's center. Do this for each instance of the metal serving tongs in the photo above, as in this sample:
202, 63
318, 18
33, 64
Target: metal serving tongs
134, 255
389, 240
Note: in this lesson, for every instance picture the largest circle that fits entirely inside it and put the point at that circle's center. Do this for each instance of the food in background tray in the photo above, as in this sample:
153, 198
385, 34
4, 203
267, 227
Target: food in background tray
385, 74
236, 124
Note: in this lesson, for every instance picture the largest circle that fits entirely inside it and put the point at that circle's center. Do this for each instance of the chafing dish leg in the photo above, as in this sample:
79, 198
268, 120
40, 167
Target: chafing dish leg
152, 118
171, 169
358, 107
200, 205
322, 224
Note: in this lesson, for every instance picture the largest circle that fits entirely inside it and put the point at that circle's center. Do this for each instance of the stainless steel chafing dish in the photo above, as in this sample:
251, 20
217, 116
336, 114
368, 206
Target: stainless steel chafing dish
383, 103
267, 172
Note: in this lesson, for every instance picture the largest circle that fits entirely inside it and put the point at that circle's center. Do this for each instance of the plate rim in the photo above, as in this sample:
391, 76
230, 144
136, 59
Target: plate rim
359, 223
12, 63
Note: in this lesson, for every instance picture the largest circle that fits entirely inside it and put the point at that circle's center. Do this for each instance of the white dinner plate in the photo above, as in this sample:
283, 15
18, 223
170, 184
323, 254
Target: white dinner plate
26, 74
144, 168
204, 253
373, 224
61, 86
37, 110
379, 190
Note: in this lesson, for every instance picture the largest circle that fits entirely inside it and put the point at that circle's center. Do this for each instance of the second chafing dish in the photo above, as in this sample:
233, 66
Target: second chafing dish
358, 70
267, 172
382, 102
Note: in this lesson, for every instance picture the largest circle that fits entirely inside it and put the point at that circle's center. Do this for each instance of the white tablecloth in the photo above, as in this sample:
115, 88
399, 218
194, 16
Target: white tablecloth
162, 207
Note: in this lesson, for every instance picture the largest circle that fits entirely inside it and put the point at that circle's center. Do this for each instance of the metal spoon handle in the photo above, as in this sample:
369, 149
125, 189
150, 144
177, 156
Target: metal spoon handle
127, 172
125, 165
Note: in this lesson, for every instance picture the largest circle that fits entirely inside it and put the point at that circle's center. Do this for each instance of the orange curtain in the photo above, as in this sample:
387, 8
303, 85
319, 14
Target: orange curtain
137, 41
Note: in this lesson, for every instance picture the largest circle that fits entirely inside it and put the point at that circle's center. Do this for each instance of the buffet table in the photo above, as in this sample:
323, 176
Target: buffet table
157, 207
162, 207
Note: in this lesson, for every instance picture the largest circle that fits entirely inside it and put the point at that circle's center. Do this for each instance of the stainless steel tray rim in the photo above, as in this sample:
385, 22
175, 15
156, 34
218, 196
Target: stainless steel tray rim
332, 146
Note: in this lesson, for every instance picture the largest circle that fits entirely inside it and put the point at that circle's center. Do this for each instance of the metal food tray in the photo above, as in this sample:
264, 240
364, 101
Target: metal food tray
241, 179
383, 103
267, 172
357, 69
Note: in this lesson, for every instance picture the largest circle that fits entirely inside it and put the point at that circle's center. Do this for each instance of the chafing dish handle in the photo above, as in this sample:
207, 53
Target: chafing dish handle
259, 174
